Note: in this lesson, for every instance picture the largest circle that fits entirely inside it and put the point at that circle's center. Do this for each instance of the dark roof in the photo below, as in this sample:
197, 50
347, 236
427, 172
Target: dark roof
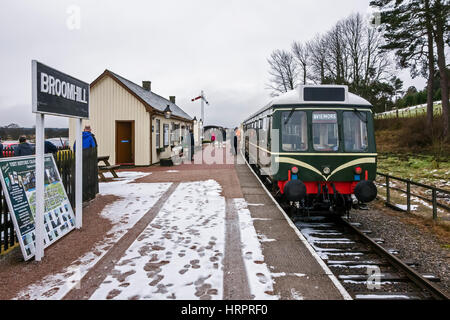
152, 99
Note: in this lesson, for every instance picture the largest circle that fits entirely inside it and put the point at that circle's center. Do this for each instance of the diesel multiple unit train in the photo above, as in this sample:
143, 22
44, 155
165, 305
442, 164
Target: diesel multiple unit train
316, 147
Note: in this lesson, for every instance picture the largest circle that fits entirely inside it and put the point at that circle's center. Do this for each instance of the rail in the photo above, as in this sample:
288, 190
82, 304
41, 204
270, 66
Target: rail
409, 183
412, 274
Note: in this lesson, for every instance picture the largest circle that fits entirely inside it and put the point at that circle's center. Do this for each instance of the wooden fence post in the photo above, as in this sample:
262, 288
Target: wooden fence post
388, 192
434, 199
408, 196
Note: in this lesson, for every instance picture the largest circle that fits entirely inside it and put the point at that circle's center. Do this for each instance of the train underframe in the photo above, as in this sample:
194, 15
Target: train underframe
327, 200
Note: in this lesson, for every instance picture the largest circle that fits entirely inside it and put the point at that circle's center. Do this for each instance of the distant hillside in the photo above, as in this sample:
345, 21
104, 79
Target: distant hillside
13, 132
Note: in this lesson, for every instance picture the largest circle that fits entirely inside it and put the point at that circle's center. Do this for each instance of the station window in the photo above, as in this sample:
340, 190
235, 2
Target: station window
166, 135
158, 133
325, 131
294, 132
355, 131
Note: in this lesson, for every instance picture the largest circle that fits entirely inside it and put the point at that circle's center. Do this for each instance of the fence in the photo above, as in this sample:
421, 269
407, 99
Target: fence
65, 161
433, 200
410, 112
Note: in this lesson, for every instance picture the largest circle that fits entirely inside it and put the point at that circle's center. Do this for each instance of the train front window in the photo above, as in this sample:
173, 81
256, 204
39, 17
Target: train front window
325, 131
294, 135
355, 131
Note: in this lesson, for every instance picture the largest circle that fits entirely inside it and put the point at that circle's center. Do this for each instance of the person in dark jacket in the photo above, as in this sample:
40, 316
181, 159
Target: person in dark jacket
191, 133
235, 142
88, 139
1, 148
50, 147
24, 148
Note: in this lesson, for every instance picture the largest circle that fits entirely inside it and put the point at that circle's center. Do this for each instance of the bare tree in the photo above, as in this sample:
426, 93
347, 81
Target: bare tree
353, 35
318, 52
302, 54
336, 55
283, 71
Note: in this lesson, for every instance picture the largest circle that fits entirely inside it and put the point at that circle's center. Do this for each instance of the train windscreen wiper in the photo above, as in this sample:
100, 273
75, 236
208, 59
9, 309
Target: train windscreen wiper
289, 116
360, 115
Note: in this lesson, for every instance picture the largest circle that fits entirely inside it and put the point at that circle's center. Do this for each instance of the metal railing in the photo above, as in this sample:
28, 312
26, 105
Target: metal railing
434, 194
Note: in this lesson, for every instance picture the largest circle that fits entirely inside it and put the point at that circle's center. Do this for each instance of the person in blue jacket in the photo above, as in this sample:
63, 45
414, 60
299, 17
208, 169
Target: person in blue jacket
88, 139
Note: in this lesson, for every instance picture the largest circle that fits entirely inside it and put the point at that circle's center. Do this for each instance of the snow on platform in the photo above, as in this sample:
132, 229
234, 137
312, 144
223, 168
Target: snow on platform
179, 255
136, 199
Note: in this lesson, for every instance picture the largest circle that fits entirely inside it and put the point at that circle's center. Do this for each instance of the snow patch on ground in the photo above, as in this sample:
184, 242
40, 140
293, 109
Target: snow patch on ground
258, 274
137, 199
405, 207
179, 255
127, 175
295, 295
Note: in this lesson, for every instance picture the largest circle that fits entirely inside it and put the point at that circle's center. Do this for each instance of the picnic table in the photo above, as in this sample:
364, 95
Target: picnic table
106, 167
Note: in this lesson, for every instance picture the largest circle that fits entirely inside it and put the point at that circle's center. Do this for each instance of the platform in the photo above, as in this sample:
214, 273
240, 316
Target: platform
193, 231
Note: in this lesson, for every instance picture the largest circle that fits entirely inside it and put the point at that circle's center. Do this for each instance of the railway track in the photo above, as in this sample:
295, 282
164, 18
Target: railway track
364, 267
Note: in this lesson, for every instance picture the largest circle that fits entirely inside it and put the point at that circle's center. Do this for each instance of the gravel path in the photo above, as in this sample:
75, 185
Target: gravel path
415, 242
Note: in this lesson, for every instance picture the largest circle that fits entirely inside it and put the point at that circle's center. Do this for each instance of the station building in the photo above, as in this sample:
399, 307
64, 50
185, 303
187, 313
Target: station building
132, 124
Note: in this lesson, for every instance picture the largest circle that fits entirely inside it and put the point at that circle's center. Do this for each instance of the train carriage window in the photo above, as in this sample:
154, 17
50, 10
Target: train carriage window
325, 131
294, 131
355, 131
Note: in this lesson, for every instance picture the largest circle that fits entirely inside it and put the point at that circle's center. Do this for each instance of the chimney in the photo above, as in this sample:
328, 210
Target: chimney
172, 99
147, 85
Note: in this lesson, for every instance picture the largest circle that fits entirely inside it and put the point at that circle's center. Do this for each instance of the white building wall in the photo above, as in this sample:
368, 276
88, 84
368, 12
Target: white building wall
110, 102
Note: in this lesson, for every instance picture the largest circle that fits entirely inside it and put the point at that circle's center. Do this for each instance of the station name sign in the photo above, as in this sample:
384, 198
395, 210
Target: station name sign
59, 94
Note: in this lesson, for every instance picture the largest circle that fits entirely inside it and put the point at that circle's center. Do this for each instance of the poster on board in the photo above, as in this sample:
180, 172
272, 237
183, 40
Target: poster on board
18, 180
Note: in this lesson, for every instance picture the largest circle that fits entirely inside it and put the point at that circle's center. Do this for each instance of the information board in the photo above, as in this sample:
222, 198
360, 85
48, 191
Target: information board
18, 180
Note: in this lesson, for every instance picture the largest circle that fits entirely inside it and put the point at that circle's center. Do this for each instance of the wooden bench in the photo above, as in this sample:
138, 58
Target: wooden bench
106, 168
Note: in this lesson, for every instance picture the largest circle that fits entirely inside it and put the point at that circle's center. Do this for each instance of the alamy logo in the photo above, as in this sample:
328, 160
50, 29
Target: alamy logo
73, 21
374, 279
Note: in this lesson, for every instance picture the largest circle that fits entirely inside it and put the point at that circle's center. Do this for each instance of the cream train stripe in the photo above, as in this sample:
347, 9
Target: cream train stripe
315, 154
308, 166
299, 163
352, 163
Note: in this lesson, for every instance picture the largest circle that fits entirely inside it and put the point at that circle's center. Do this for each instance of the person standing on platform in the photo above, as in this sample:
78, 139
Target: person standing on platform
24, 148
50, 147
235, 141
89, 140
191, 134
1, 148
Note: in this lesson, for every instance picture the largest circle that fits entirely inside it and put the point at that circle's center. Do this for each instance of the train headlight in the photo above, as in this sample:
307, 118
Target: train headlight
294, 170
326, 170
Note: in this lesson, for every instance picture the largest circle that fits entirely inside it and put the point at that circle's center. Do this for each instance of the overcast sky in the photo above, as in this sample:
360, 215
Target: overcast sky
181, 46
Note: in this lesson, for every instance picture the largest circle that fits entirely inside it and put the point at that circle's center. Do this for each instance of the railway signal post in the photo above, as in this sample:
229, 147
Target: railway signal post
202, 101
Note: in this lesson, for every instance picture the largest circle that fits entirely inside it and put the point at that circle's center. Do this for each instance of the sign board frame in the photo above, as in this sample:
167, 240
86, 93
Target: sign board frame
50, 89
60, 94
63, 213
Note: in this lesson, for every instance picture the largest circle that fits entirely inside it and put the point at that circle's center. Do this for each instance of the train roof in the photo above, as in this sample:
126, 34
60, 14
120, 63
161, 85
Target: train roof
316, 95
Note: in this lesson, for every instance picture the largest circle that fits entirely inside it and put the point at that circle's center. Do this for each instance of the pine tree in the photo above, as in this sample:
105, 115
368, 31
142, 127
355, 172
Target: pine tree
407, 26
